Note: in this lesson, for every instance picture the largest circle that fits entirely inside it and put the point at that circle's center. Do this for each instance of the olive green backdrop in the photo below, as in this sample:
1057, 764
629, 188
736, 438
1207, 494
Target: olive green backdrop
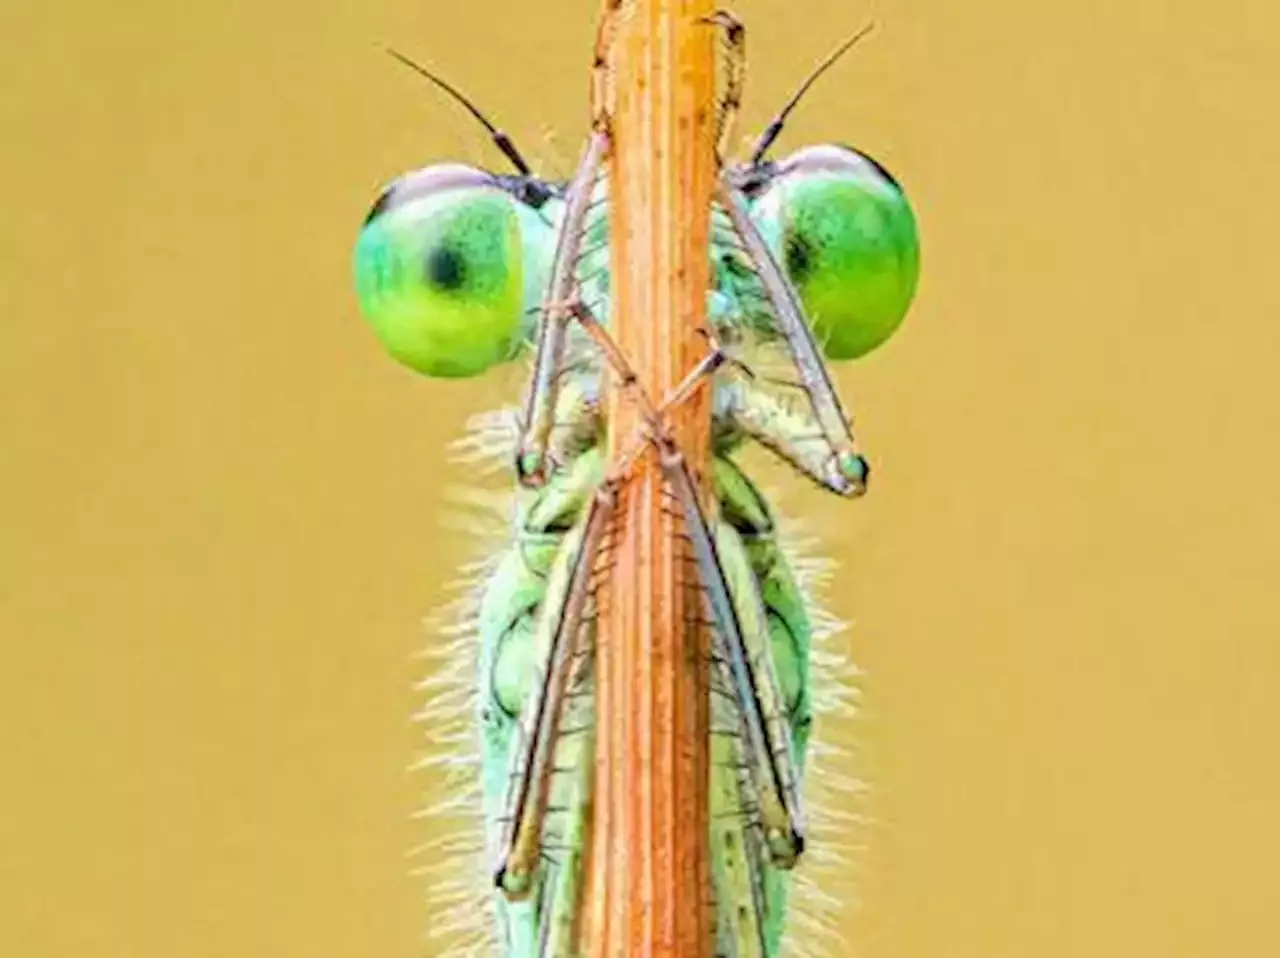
222, 505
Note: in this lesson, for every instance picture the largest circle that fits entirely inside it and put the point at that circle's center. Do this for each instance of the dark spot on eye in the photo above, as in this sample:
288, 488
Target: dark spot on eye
800, 257
446, 269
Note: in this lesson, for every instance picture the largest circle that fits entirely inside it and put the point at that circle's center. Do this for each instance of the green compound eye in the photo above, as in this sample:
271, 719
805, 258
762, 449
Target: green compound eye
842, 228
442, 267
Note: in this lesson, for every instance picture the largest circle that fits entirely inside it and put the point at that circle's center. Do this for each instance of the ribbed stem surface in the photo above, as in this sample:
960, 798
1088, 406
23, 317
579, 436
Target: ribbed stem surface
648, 862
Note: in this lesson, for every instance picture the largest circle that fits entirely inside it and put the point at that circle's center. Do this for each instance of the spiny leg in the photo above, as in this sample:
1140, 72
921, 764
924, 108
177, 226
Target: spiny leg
828, 414
752, 900
760, 703
741, 772
738, 857
627, 374
560, 919
527, 589
748, 411
533, 763
792, 438
748, 890
767, 729
540, 403
562, 295
628, 380
578, 415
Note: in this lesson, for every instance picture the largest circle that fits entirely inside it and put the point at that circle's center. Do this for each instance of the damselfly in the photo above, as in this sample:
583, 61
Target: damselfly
459, 269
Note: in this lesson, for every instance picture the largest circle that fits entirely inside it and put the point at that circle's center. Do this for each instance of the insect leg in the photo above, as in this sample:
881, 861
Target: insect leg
792, 438
653, 415
622, 366
738, 857
559, 921
764, 718
540, 404
829, 415
533, 761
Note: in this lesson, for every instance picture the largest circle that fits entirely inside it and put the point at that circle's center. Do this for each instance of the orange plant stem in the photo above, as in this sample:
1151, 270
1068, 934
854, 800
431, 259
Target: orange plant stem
648, 886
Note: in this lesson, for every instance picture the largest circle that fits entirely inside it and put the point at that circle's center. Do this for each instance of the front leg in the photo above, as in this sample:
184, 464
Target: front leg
794, 328
532, 468
794, 438
563, 294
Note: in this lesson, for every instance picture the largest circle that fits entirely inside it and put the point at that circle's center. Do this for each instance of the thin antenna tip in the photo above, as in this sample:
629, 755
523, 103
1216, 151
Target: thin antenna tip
500, 139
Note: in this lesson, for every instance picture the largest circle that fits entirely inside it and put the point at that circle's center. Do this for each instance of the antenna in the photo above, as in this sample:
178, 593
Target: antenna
772, 131
500, 139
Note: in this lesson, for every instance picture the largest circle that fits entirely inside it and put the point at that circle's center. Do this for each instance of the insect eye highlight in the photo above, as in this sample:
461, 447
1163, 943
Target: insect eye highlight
846, 235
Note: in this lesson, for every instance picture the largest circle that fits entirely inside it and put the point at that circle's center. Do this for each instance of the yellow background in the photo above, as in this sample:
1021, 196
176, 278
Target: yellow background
222, 504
